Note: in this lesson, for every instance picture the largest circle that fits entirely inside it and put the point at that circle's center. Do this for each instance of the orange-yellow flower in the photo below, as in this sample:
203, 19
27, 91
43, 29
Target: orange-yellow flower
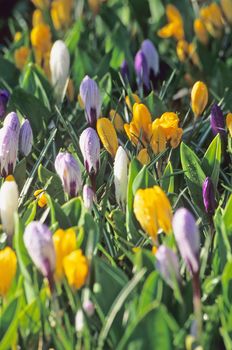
117, 120
76, 268
21, 56
37, 18
41, 197
175, 27
131, 100
153, 210
182, 50
200, 31
229, 123
17, 36
70, 90
193, 54
199, 98
212, 17
143, 156
107, 135
8, 266
61, 11
41, 38
64, 243
42, 4
227, 9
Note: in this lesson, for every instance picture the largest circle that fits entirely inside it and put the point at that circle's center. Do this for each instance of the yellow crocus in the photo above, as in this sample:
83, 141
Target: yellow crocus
229, 123
201, 31
37, 18
199, 98
76, 268
8, 266
61, 11
17, 36
143, 156
64, 243
131, 100
117, 120
21, 56
153, 210
193, 55
158, 140
41, 38
175, 27
182, 50
227, 9
41, 197
140, 126
107, 135
41, 4
212, 17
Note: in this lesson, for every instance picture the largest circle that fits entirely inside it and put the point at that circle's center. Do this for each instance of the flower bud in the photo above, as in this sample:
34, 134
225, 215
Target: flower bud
4, 97
199, 98
217, 121
201, 31
8, 150
152, 57
143, 156
208, 196
167, 265
38, 241
8, 266
8, 204
124, 69
12, 121
59, 66
76, 268
88, 307
121, 176
25, 138
142, 71
69, 172
90, 149
227, 9
108, 136
91, 98
88, 197
79, 321
187, 238
229, 123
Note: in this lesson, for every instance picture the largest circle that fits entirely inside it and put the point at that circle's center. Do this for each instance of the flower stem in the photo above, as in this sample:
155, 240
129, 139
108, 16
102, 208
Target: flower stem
197, 303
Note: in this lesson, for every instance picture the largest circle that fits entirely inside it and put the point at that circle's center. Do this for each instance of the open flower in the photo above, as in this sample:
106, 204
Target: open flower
153, 210
201, 31
8, 266
76, 268
175, 26
212, 17
107, 135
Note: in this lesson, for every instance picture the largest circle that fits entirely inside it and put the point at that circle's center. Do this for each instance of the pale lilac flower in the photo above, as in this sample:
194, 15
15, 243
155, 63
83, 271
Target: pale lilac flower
88, 197
25, 138
9, 140
90, 149
91, 98
167, 264
142, 71
152, 56
12, 121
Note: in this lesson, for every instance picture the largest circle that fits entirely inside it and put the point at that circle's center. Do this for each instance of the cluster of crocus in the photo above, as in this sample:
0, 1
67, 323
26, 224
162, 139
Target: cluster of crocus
156, 134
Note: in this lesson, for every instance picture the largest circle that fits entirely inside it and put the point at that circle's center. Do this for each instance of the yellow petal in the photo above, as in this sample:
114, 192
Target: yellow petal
182, 50
200, 31
176, 138
199, 98
173, 14
8, 266
142, 120
117, 120
227, 9
76, 268
144, 157
21, 56
229, 123
130, 100
158, 140
108, 136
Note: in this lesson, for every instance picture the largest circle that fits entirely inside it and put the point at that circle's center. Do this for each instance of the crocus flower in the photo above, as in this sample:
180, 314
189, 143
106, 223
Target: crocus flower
59, 66
8, 266
117, 120
25, 138
41, 197
8, 150
152, 58
12, 121
208, 196
79, 321
107, 135
76, 268
4, 97
69, 172
167, 265
8, 204
124, 69
143, 156
227, 9
21, 56
153, 210
38, 241
142, 71
199, 98
229, 123
121, 176
88, 197
175, 26
201, 31
217, 121
88, 307
90, 149
91, 98
212, 17
187, 238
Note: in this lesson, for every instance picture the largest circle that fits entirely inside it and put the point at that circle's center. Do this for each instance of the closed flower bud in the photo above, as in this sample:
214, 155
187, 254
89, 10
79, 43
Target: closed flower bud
88, 197
25, 138
201, 31
12, 121
108, 136
4, 97
8, 266
8, 204
76, 268
142, 71
167, 265
124, 69
69, 172
217, 121
88, 307
90, 149
79, 321
8, 150
152, 57
229, 123
59, 66
121, 176
91, 98
208, 196
199, 98
38, 241
227, 9
187, 237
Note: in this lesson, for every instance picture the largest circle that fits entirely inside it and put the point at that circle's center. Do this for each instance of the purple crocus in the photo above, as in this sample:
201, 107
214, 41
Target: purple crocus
217, 121
187, 238
69, 172
124, 70
4, 98
8, 150
25, 138
12, 121
209, 196
88, 197
142, 72
152, 58
91, 98
90, 149
38, 241
167, 265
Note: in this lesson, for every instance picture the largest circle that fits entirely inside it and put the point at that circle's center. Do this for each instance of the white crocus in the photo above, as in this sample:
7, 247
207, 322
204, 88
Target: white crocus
8, 204
59, 66
121, 176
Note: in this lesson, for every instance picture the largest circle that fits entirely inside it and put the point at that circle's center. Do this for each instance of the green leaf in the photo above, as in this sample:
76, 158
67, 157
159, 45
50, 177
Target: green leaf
194, 174
143, 180
167, 181
9, 73
52, 183
227, 215
157, 10
149, 291
155, 104
20, 173
74, 210
212, 159
57, 214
